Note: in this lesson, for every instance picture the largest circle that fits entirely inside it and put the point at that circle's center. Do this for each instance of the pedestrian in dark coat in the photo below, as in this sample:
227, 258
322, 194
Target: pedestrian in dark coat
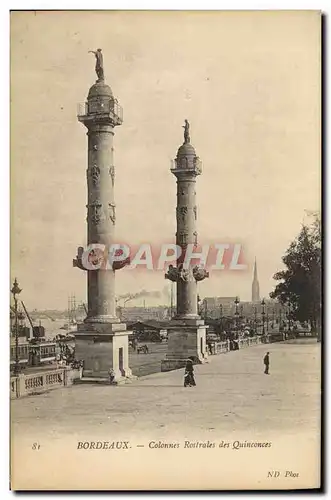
189, 374
266, 364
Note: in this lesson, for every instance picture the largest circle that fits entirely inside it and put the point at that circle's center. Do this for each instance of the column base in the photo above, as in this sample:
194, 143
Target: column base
102, 327
105, 381
187, 317
105, 354
186, 339
105, 319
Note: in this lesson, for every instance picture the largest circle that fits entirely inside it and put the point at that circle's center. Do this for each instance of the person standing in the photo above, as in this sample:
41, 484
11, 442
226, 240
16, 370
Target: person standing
111, 376
189, 374
266, 362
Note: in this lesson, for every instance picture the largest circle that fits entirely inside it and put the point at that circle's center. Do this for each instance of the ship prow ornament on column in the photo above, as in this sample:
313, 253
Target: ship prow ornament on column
187, 331
102, 341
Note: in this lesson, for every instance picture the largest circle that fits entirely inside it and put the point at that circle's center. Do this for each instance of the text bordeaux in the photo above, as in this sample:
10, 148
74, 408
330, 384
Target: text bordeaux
103, 445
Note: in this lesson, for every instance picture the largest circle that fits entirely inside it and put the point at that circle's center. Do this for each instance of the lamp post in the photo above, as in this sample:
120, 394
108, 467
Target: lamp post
171, 299
236, 303
12, 324
221, 317
289, 317
263, 316
255, 320
280, 317
16, 290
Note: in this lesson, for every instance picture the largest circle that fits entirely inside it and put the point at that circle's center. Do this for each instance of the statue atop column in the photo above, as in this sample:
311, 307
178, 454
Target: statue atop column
186, 128
98, 64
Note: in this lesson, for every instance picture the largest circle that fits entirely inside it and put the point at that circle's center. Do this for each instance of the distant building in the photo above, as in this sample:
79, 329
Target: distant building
272, 308
215, 307
151, 330
255, 286
131, 314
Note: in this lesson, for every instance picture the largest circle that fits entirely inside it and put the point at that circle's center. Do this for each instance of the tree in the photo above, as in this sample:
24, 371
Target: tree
300, 282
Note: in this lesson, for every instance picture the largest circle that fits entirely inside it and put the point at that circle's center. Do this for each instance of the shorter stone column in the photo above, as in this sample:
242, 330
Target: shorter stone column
187, 331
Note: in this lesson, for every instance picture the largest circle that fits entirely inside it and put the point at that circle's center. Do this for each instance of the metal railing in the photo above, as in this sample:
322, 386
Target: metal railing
100, 107
82, 109
187, 163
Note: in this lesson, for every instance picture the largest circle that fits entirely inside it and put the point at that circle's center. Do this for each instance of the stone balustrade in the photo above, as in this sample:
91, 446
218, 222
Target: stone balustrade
36, 383
222, 347
247, 342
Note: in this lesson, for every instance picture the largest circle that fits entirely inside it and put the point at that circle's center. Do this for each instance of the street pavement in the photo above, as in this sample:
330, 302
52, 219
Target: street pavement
233, 399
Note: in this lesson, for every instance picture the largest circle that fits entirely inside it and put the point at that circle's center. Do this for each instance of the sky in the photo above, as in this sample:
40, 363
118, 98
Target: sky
249, 84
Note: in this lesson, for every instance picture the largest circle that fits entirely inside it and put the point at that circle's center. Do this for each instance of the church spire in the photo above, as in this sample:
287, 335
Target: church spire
255, 270
255, 285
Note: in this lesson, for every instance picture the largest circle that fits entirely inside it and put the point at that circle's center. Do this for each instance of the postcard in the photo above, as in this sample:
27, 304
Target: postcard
165, 318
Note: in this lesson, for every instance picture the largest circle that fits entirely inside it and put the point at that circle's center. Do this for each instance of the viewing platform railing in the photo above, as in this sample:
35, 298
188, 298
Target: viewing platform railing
103, 107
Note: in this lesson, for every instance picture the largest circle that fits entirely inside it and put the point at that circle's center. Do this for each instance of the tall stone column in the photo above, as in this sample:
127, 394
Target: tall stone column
102, 340
187, 331
100, 216
186, 233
